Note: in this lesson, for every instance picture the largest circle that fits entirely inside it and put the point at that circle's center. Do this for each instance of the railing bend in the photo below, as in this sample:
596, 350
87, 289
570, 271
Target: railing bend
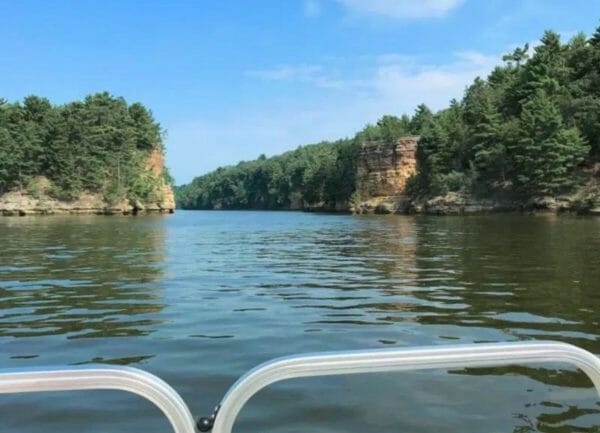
128, 379
320, 364
387, 360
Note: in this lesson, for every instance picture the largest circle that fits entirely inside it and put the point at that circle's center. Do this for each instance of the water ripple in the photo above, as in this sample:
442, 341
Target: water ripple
200, 297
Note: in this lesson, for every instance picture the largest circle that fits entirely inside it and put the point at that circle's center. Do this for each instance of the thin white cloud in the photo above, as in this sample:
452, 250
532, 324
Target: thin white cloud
434, 85
286, 72
395, 75
476, 58
408, 9
311, 74
394, 58
312, 8
391, 84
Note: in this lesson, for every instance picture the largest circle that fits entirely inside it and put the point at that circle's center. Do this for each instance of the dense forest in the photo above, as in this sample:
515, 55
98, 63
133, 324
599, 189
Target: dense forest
531, 128
99, 144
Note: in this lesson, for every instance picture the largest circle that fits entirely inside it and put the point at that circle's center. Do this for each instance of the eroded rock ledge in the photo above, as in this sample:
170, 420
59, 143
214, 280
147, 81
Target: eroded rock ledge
459, 203
21, 203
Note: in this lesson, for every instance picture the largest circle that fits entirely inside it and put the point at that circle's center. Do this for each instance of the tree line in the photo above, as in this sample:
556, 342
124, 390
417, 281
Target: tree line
100, 144
524, 131
531, 128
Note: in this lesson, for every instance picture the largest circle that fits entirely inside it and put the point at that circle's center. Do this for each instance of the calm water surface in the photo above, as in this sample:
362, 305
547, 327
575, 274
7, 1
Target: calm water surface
198, 298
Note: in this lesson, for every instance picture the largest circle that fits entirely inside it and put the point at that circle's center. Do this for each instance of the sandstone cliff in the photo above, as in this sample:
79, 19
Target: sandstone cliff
166, 201
382, 172
37, 200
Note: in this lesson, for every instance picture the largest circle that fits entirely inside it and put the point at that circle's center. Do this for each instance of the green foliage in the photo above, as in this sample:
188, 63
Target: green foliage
388, 129
168, 179
392, 128
524, 131
422, 121
319, 174
546, 153
98, 144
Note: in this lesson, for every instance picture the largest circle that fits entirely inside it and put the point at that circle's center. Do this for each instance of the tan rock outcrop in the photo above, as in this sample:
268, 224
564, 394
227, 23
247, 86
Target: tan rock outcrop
166, 201
382, 172
40, 203
458, 203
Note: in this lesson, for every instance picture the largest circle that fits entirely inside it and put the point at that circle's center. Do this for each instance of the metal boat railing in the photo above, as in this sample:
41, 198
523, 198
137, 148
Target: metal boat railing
321, 364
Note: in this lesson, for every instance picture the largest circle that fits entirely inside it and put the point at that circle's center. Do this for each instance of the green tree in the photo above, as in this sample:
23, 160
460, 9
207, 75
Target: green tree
584, 86
99, 144
486, 142
547, 153
422, 120
547, 70
392, 128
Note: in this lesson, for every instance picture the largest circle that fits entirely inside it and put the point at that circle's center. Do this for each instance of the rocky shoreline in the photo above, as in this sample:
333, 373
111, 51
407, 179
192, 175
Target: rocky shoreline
38, 201
16, 203
463, 204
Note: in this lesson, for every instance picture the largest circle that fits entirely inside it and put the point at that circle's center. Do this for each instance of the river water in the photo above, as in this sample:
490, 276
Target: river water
198, 298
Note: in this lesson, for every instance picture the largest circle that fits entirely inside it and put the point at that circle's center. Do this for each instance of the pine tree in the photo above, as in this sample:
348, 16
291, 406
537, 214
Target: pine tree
422, 120
547, 152
489, 148
547, 70
453, 151
486, 141
584, 87
391, 129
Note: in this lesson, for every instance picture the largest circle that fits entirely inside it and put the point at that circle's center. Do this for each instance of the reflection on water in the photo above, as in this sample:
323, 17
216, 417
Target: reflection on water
200, 297
81, 278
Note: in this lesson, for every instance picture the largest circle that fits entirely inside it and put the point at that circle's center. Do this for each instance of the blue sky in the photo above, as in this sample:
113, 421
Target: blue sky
230, 80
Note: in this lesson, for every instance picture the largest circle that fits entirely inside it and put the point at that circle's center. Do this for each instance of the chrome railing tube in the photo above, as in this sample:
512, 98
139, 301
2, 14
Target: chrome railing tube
384, 360
321, 364
127, 379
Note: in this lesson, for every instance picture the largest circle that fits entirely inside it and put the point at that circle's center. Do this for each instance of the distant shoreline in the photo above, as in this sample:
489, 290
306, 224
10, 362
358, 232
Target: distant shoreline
453, 212
82, 212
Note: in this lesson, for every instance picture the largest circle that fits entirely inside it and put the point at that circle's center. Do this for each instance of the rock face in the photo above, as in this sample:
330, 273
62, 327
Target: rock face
382, 172
39, 202
166, 201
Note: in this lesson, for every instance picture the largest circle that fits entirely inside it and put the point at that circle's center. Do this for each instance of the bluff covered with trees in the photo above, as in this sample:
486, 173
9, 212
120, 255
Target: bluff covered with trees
531, 129
100, 146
